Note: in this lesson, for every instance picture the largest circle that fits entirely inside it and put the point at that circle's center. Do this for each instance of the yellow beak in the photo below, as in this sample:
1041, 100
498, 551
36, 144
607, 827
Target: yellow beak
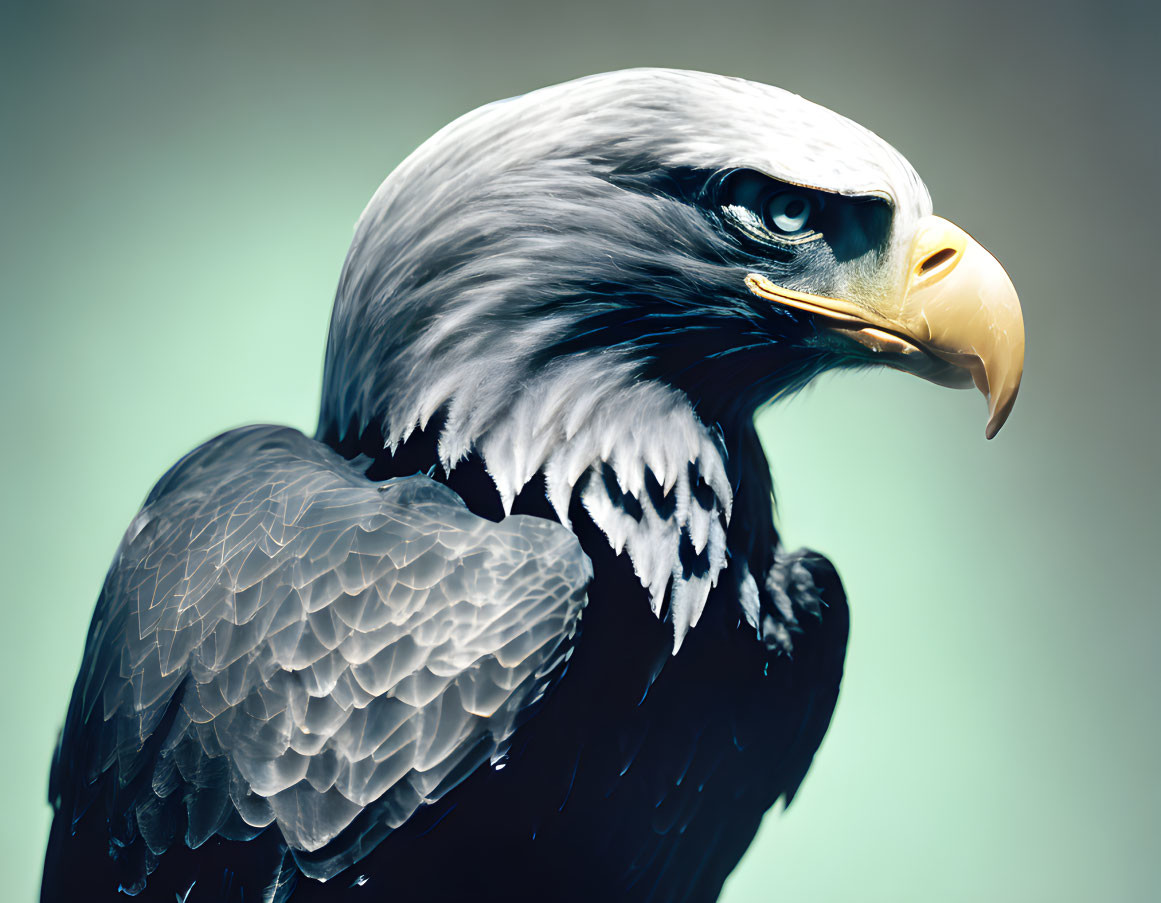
957, 322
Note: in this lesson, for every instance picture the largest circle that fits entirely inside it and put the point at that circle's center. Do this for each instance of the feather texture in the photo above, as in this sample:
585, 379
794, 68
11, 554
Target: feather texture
280, 641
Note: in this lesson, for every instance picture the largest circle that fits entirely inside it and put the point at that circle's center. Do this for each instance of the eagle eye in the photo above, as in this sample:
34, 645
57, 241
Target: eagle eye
787, 212
769, 210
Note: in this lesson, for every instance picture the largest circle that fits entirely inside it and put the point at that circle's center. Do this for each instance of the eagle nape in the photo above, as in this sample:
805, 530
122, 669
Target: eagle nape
517, 623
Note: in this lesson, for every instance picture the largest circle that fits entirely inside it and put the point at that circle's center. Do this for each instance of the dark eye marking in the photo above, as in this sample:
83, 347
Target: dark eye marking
780, 216
770, 210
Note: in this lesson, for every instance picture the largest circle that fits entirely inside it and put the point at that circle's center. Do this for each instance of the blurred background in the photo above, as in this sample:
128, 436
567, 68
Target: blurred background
178, 185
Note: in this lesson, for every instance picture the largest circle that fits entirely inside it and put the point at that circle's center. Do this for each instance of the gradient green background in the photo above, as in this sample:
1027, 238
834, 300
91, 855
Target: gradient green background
179, 184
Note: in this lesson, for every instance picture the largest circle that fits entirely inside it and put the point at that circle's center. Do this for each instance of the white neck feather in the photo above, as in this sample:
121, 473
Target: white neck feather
649, 472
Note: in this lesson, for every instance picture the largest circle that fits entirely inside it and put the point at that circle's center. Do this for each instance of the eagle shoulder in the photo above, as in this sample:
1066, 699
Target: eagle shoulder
280, 641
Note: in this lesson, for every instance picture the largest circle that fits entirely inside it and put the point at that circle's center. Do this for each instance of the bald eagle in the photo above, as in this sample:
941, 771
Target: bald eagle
516, 624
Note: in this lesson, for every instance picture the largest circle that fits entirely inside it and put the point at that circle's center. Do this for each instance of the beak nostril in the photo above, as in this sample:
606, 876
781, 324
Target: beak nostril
939, 258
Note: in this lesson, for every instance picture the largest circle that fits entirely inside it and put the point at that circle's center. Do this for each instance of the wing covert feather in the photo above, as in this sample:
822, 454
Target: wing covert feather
280, 641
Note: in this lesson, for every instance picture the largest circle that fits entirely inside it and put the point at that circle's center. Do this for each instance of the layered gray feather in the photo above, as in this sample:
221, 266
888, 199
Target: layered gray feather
280, 641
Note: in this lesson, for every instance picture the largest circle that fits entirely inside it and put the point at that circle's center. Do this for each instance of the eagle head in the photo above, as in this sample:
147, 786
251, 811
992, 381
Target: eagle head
612, 274
728, 238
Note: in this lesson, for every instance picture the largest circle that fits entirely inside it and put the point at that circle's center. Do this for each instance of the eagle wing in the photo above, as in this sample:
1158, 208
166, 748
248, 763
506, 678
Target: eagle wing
280, 641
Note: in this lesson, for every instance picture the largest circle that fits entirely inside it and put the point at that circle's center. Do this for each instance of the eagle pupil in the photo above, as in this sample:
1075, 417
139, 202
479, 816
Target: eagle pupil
787, 212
